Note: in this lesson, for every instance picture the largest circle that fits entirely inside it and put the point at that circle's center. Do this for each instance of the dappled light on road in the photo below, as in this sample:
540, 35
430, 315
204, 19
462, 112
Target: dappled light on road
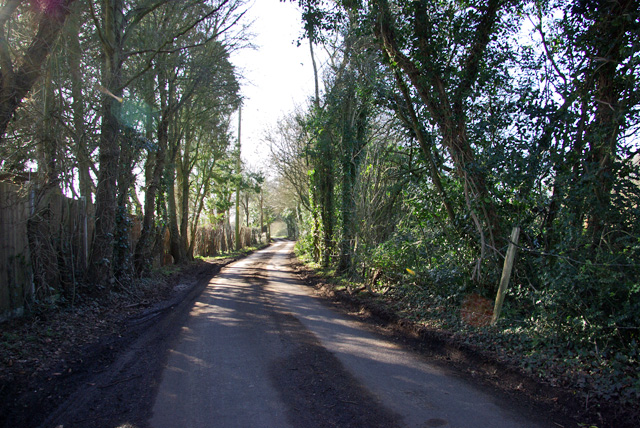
260, 349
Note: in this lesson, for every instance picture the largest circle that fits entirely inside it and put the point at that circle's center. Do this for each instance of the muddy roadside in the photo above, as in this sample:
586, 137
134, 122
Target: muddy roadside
98, 363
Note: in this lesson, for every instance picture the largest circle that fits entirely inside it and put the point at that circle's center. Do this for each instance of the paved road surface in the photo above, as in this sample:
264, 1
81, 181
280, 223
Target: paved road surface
258, 350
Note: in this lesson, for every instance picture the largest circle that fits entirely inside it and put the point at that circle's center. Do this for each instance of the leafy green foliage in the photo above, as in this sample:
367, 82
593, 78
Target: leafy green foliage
490, 115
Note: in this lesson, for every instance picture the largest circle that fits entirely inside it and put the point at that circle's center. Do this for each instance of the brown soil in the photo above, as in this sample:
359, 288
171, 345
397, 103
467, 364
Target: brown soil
94, 364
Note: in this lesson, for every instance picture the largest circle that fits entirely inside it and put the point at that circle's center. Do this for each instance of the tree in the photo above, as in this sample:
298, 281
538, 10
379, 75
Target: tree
116, 28
288, 143
210, 72
213, 141
446, 86
19, 72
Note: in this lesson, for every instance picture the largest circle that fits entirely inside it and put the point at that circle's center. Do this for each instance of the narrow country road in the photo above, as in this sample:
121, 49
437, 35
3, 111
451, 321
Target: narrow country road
259, 350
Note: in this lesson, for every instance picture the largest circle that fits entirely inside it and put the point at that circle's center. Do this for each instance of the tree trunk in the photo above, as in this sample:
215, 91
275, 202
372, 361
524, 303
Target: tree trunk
199, 206
123, 254
326, 179
446, 106
100, 262
354, 135
183, 171
100, 269
85, 182
238, 172
16, 83
608, 39
144, 246
246, 209
314, 184
150, 238
261, 215
176, 244
47, 142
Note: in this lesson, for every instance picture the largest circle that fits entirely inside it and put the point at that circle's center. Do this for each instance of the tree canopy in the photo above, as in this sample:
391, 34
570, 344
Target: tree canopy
444, 125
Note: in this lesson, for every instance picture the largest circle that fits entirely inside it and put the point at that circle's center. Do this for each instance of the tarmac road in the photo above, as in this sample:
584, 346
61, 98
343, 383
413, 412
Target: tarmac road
259, 350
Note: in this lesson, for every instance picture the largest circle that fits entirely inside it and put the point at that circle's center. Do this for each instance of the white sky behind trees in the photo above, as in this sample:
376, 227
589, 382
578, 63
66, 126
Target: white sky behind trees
277, 75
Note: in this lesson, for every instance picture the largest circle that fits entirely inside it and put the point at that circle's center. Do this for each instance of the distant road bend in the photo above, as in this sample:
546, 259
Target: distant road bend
259, 350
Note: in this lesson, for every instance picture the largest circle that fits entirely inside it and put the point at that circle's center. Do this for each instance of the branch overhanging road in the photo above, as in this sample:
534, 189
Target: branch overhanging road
259, 350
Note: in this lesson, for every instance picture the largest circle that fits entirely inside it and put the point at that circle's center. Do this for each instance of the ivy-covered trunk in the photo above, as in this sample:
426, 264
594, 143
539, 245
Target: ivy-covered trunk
446, 105
100, 270
608, 40
326, 179
315, 214
354, 138
123, 253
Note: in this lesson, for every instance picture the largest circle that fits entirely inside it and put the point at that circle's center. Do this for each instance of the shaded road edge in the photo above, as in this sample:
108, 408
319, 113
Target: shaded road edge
528, 395
111, 381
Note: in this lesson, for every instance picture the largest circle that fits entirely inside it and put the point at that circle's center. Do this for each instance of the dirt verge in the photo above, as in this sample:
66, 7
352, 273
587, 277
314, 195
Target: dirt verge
98, 363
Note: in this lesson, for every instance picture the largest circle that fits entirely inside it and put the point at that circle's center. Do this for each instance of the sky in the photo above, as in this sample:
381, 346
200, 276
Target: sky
277, 74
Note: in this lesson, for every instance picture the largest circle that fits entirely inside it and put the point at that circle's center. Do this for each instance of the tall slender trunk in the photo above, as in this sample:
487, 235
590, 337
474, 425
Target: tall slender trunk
314, 185
144, 246
199, 206
183, 171
261, 215
85, 182
326, 196
100, 261
238, 184
176, 244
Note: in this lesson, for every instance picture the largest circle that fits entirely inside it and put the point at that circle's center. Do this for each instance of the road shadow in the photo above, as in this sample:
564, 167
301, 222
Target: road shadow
317, 389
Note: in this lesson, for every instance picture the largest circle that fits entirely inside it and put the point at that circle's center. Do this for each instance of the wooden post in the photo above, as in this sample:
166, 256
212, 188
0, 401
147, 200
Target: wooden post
506, 273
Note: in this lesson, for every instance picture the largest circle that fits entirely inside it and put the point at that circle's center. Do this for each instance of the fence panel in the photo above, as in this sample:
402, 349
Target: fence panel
15, 273
44, 245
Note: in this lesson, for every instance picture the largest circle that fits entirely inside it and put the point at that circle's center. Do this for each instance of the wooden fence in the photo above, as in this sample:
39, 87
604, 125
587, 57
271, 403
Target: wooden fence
212, 241
44, 245
15, 273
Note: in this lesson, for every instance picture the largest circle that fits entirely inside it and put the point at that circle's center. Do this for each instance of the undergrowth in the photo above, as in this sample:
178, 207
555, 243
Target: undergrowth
592, 362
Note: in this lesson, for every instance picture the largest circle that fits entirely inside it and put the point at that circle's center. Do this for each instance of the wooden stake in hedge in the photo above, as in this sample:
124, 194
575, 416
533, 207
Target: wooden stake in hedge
506, 273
